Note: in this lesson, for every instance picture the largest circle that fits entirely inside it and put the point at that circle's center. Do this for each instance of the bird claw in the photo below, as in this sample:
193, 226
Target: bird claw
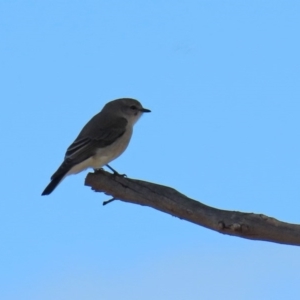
115, 173
121, 175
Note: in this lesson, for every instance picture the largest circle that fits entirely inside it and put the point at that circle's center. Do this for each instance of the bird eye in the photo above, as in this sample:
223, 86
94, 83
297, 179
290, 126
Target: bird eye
133, 107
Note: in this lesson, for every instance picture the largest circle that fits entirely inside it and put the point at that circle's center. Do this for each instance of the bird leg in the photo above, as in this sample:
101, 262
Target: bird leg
115, 172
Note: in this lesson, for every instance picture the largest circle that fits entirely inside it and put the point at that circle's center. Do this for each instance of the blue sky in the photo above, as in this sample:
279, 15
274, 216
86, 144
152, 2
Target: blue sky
222, 81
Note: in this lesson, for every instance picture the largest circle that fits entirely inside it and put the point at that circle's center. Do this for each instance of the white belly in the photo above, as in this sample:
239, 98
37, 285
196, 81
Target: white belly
104, 155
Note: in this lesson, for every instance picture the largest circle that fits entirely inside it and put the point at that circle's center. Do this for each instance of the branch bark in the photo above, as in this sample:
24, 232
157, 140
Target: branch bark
246, 225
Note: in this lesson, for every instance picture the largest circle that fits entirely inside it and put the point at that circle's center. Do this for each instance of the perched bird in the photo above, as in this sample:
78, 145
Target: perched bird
102, 139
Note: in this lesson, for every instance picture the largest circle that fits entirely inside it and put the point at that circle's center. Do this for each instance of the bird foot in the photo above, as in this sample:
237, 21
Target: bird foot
115, 173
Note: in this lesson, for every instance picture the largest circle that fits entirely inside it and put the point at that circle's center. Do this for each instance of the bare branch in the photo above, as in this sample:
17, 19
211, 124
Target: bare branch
246, 225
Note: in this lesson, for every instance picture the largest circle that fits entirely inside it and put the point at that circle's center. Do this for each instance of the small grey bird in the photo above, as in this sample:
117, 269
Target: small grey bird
102, 139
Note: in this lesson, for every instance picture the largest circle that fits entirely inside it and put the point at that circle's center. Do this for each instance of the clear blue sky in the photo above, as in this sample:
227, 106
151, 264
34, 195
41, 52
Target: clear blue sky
222, 81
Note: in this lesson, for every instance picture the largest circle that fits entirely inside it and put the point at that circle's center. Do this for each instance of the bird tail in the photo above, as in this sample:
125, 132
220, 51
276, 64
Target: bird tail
53, 184
57, 177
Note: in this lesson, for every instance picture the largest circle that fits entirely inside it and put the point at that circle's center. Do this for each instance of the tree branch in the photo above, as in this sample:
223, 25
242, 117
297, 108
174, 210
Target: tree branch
246, 225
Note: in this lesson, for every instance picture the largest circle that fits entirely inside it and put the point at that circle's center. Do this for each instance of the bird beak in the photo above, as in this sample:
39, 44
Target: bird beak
145, 110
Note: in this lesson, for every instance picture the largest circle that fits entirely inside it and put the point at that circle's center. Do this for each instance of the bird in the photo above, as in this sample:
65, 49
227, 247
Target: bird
104, 138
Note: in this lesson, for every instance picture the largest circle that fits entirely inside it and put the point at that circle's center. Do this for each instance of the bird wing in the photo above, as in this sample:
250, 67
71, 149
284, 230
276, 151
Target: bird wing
89, 140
